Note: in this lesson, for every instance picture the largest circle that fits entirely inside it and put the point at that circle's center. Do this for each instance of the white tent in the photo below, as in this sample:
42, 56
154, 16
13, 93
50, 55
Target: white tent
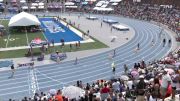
71, 7
41, 4
23, 19
25, 7
33, 7
115, 0
69, 3
22, 1
34, 4
41, 7
114, 4
102, 9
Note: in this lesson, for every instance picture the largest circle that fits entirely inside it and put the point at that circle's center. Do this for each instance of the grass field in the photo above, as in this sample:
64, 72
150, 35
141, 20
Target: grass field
15, 39
21, 53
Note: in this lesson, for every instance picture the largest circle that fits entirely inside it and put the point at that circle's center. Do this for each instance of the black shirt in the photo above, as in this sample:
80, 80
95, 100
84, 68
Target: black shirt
12, 66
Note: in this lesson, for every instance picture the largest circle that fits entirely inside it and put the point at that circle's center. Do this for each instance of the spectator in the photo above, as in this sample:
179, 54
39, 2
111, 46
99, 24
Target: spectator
141, 86
104, 92
175, 80
59, 97
116, 85
166, 81
121, 98
13, 70
156, 89
125, 68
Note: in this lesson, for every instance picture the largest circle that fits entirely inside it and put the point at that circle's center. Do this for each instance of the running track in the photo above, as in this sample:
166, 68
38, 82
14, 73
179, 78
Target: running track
88, 69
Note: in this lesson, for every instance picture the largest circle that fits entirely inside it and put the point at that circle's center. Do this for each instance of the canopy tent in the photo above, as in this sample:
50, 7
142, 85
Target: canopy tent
23, 19
33, 7
25, 7
22, 1
102, 9
100, 3
40, 7
34, 4
115, 0
90, 0
114, 4
69, 4
38, 42
104, 6
41, 4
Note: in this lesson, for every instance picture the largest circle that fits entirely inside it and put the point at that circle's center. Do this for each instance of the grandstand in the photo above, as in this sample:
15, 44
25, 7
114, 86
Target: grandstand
142, 63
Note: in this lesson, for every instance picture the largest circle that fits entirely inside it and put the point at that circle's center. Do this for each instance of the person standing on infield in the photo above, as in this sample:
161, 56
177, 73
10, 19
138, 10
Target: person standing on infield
113, 67
13, 70
76, 61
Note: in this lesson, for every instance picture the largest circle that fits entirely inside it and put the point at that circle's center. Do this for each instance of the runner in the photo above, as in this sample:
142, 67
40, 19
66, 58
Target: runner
164, 42
125, 69
87, 32
76, 60
152, 42
138, 45
114, 52
13, 70
113, 67
169, 42
160, 34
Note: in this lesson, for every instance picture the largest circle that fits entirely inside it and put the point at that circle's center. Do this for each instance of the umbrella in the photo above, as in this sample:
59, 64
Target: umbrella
72, 92
52, 91
169, 70
124, 77
177, 64
134, 73
1, 26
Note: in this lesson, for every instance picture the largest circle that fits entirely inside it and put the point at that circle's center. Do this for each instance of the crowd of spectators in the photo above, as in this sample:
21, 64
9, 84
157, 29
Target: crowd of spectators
143, 82
163, 15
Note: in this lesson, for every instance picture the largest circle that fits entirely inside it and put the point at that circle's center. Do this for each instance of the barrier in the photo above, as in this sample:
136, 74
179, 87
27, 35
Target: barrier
31, 64
61, 56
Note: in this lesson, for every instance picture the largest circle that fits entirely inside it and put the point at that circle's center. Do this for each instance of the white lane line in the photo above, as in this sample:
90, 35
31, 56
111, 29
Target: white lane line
82, 63
99, 73
108, 71
19, 91
83, 70
25, 81
7, 40
37, 84
94, 67
96, 58
51, 78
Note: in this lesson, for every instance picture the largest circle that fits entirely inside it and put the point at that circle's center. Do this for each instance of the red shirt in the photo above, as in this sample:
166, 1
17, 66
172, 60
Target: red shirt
59, 98
105, 90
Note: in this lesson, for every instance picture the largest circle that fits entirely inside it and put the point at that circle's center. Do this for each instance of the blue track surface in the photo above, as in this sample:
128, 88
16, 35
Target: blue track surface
88, 69
62, 31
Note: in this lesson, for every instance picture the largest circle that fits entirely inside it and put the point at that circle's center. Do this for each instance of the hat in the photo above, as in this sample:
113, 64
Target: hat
141, 77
